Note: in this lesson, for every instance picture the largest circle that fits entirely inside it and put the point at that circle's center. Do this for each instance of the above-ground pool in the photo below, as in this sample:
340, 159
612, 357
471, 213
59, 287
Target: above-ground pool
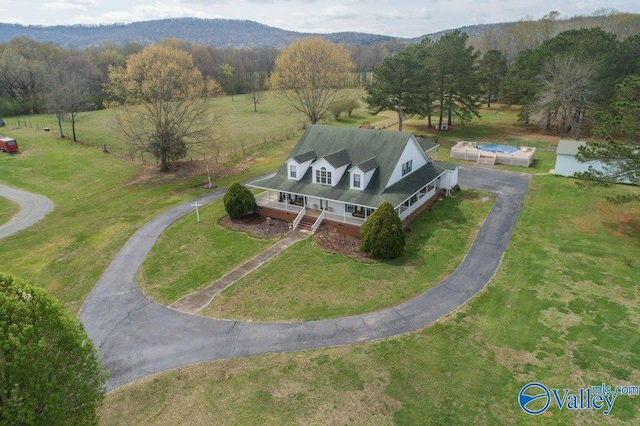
494, 147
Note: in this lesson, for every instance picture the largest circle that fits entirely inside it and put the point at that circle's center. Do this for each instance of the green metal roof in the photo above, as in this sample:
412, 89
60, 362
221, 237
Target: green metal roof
338, 159
362, 146
368, 165
426, 145
305, 156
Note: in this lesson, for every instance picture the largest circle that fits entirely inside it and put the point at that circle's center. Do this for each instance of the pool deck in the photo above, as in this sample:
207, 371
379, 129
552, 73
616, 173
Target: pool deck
468, 151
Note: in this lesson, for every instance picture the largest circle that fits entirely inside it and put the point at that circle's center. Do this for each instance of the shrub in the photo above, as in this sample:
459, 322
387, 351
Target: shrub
50, 371
381, 235
238, 201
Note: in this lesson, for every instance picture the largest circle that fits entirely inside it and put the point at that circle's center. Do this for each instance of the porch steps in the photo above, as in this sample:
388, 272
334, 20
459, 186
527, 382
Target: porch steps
306, 223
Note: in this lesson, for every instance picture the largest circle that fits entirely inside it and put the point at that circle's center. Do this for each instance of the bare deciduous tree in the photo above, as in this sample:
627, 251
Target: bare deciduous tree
567, 85
165, 103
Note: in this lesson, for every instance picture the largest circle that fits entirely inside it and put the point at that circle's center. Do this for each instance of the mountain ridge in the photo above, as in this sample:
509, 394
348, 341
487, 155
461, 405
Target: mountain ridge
217, 32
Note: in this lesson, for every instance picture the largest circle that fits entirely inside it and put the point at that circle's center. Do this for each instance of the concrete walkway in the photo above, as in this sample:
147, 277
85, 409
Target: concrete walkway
33, 208
195, 302
137, 337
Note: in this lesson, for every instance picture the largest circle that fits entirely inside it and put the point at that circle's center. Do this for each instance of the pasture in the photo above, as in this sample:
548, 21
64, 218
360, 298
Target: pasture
563, 308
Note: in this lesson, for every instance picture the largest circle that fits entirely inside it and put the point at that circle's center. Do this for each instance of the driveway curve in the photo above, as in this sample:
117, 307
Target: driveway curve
137, 337
33, 208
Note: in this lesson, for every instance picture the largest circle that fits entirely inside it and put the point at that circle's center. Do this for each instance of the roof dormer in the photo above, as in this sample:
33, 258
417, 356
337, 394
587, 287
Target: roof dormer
298, 165
361, 174
329, 169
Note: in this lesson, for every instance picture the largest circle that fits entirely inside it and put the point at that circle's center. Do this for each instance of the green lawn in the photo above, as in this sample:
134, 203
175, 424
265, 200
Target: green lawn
191, 255
563, 309
7, 210
497, 124
318, 285
99, 202
238, 127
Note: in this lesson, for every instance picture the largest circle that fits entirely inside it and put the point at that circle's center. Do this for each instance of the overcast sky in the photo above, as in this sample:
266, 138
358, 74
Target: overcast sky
407, 18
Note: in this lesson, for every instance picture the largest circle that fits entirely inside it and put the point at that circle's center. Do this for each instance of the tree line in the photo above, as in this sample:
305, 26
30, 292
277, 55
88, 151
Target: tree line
560, 85
34, 76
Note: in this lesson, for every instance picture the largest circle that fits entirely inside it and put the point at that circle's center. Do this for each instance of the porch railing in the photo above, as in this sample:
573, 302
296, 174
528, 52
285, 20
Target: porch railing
318, 221
298, 218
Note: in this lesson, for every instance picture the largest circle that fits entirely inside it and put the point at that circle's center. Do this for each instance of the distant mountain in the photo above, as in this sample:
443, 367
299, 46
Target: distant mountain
216, 32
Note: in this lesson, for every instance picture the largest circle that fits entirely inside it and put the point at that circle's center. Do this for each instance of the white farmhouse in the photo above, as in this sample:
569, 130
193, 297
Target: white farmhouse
340, 175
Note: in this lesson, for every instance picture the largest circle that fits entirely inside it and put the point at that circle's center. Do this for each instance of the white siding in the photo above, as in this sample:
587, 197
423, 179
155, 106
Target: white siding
318, 165
339, 173
567, 165
336, 174
365, 178
356, 172
412, 151
301, 168
449, 179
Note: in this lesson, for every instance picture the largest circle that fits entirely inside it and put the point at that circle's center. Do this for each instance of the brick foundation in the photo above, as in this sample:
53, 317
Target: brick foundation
277, 214
345, 228
426, 206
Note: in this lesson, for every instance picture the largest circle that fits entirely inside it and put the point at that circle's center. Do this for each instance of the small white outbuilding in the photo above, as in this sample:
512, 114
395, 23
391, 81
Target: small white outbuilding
566, 162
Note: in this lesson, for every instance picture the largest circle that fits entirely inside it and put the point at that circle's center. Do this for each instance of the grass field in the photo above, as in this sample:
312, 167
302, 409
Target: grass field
238, 127
563, 308
191, 255
319, 285
7, 210
101, 199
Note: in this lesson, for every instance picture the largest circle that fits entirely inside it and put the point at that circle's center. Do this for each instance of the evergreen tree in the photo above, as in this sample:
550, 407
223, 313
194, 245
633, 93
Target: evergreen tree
381, 235
238, 201
621, 150
395, 83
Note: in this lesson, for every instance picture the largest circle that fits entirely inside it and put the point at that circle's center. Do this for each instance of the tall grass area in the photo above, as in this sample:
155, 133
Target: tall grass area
563, 309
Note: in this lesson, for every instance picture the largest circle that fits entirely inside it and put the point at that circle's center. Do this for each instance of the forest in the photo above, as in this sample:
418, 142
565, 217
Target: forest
559, 71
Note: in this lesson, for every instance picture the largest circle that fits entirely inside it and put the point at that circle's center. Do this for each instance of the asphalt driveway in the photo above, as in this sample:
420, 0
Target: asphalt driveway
137, 337
33, 207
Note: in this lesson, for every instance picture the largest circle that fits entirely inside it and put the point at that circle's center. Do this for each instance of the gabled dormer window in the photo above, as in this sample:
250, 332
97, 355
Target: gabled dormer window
357, 179
406, 167
293, 171
323, 176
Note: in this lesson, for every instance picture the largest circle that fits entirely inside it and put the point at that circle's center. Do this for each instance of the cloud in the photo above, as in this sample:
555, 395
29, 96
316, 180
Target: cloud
338, 12
81, 5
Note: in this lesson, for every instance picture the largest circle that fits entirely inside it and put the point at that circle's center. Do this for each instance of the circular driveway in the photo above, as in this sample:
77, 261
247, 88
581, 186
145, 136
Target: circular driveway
33, 207
137, 337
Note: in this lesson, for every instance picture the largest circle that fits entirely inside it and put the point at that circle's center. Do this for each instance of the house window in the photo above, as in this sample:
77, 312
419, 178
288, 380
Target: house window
406, 167
323, 176
349, 208
356, 181
292, 171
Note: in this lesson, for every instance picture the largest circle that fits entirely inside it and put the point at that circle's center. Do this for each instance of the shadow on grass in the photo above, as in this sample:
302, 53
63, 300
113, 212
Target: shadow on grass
628, 226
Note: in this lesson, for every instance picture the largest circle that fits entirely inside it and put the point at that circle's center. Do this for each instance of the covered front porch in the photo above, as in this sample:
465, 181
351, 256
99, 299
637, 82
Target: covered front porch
333, 210
418, 199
